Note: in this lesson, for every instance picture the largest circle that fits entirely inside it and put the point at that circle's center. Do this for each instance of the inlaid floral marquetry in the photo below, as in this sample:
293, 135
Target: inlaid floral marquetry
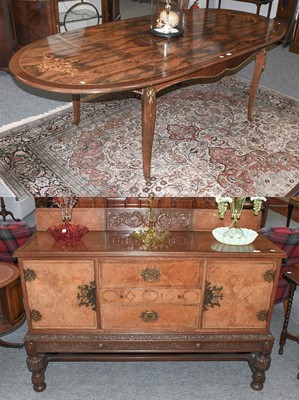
244, 17
60, 64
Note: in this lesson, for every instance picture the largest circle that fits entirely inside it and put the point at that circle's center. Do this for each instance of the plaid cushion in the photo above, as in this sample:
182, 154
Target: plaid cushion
12, 236
288, 240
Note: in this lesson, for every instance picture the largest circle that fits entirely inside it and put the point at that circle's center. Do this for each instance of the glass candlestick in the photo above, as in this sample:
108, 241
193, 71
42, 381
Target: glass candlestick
150, 237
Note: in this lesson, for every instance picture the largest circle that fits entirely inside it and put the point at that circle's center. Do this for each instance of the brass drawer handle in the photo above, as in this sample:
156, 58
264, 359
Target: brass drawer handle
149, 316
150, 274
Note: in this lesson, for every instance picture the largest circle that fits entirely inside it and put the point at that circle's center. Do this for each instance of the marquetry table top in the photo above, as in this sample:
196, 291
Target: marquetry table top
124, 55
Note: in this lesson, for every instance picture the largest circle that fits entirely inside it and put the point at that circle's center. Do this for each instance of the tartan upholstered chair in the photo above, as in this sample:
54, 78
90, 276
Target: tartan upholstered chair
12, 236
288, 240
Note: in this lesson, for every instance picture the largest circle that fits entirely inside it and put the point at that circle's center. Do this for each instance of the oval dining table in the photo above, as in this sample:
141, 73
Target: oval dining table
125, 56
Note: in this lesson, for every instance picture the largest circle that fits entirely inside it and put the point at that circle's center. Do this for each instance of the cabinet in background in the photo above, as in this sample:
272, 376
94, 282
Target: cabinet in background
36, 19
33, 20
6, 42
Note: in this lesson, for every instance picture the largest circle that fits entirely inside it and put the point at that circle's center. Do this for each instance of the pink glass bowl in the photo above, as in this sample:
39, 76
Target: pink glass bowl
67, 232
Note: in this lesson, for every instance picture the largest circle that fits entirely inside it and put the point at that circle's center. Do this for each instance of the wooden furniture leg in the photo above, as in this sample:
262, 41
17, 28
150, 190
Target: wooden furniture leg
37, 364
4, 212
290, 210
148, 104
293, 202
76, 108
284, 333
260, 61
261, 364
291, 275
4, 343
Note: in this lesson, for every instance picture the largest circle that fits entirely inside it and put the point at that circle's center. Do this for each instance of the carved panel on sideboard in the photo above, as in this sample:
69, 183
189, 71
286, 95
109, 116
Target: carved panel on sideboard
114, 219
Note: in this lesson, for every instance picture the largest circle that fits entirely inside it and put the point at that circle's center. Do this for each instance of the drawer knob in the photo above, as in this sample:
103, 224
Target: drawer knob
149, 316
150, 274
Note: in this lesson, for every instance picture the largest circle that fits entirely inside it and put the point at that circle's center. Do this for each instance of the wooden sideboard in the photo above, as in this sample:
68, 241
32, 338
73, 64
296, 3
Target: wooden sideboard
108, 298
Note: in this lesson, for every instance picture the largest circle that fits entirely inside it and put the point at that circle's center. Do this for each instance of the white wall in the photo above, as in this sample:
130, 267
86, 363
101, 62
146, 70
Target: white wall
20, 209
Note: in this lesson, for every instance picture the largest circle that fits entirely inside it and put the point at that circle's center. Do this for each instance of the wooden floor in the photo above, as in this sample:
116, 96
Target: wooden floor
280, 205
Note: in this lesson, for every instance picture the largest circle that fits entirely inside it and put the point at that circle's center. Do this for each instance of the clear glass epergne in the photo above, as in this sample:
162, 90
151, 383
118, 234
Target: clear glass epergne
234, 233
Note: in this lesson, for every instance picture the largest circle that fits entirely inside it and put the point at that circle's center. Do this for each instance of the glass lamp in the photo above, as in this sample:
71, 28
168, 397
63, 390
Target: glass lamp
167, 18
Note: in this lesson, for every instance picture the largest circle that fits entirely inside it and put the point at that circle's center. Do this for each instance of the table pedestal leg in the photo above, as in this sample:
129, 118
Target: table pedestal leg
76, 108
148, 102
260, 61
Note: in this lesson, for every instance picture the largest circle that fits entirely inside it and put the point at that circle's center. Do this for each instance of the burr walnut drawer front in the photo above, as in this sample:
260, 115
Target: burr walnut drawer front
149, 317
158, 272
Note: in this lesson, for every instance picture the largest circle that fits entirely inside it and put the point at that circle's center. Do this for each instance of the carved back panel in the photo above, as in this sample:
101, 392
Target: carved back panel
128, 219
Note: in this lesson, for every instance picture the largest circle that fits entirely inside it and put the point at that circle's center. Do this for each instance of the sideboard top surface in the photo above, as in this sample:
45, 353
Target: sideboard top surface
119, 244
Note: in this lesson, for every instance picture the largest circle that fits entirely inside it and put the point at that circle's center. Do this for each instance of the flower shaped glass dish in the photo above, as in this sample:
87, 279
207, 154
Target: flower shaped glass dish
234, 236
67, 232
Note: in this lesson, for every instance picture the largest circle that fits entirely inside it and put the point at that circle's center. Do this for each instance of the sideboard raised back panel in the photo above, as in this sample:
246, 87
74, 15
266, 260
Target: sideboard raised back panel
116, 219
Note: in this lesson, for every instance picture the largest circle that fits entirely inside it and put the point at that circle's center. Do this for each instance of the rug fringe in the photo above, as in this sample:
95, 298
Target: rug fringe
25, 121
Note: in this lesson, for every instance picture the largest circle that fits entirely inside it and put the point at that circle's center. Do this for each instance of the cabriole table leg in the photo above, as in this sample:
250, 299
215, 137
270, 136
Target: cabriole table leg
148, 105
260, 61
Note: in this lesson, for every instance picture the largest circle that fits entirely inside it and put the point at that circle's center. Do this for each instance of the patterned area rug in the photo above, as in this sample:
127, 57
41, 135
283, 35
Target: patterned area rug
203, 146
